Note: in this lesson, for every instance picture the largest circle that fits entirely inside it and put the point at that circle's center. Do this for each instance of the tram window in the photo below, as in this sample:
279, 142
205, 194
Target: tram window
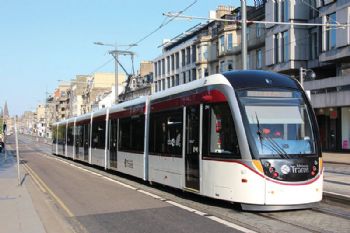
61, 135
166, 133
98, 134
219, 134
70, 135
131, 133
54, 134
79, 136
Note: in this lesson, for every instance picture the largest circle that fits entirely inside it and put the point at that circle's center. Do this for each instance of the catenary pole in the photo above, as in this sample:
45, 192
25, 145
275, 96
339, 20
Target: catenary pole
244, 35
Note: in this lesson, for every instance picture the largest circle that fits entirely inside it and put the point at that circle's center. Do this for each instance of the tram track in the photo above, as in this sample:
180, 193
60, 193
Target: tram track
289, 220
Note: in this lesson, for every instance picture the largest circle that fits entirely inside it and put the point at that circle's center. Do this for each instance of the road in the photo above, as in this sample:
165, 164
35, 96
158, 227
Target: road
93, 200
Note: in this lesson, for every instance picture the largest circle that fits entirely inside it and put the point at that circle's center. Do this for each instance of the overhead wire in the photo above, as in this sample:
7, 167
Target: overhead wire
163, 24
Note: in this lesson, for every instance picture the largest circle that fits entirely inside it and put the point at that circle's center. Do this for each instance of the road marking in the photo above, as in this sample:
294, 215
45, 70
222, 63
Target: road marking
34, 179
213, 218
230, 224
57, 199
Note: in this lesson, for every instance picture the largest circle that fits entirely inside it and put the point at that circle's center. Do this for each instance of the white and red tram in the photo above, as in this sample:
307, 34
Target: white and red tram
244, 136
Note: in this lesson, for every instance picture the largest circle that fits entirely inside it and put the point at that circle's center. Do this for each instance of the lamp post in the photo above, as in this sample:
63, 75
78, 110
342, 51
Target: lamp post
306, 73
115, 53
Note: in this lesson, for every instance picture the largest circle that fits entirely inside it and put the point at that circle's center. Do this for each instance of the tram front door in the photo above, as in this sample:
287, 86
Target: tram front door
192, 148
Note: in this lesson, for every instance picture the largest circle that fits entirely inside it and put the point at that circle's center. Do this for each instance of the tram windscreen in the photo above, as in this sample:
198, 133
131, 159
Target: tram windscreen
277, 123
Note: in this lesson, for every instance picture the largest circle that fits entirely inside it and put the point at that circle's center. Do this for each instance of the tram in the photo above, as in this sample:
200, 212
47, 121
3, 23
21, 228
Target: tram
247, 137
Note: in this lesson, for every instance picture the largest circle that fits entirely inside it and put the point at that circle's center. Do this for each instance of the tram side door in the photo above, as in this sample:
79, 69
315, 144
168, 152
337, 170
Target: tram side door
192, 148
113, 143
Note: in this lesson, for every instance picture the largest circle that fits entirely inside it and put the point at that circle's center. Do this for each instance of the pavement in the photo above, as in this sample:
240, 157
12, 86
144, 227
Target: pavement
17, 212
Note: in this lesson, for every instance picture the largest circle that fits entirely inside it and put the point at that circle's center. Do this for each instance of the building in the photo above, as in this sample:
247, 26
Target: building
139, 85
97, 86
61, 101
216, 47
77, 87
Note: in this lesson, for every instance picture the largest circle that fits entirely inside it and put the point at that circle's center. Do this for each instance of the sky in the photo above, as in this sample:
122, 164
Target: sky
43, 41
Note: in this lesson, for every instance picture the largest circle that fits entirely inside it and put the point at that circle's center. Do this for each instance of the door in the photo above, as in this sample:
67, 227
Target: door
86, 142
113, 143
192, 148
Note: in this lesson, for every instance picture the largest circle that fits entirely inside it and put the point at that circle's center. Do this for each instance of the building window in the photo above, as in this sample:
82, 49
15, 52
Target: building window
285, 48
199, 73
229, 42
259, 59
177, 80
331, 32
183, 58
163, 66
163, 84
183, 77
222, 66
159, 85
313, 46
206, 73
177, 60
168, 81
285, 10
258, 30
168, 64
312, 9
194, 54
155, 86
172, 63
172, 81
194, 74
159, 68
276, 11
221, 44
188, 55
229, 65
275, 47
155, 69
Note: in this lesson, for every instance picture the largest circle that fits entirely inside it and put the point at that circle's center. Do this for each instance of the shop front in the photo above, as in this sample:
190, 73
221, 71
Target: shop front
334, 126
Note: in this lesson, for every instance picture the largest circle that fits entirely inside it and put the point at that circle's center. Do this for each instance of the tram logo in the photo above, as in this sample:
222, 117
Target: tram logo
285, 169
300, 168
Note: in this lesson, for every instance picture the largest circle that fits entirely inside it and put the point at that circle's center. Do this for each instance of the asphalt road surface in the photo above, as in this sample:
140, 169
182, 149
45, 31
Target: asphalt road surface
93, 200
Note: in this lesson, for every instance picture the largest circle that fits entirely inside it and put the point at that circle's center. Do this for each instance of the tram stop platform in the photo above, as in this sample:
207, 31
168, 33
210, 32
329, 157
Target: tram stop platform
17, 213
336, 176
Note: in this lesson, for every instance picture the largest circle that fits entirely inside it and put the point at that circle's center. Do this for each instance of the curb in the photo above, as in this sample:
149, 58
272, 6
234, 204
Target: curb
345, 199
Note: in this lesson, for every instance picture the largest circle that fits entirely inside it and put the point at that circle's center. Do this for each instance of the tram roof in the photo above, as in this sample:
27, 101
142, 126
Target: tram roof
259, 78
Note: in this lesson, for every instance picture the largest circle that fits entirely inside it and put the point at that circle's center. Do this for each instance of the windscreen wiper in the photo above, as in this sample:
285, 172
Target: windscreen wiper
272, 145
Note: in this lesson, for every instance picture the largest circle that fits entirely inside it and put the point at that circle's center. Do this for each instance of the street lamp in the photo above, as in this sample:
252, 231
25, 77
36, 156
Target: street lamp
115, 53
306, 73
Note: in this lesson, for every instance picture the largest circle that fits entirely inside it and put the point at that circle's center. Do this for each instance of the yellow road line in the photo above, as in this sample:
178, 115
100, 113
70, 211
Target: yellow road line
45, 187
34, 179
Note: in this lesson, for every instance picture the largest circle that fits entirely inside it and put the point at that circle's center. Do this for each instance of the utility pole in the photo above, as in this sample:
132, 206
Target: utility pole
17, 153
115, 53
244, 34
